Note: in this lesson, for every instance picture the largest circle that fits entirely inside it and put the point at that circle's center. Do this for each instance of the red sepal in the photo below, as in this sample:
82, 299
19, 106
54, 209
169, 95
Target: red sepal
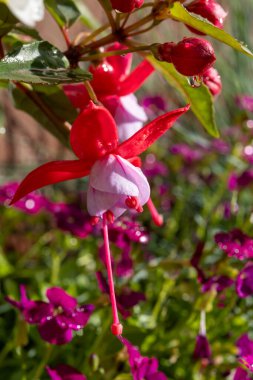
94, 133
50, 173
135, 79
77, 94
120, 63
147, 135
136, 161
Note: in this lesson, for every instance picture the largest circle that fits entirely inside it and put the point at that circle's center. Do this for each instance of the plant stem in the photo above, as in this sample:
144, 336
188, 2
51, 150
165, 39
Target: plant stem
139, 23
114, 52
65, 33
91, 92
56, 264
96, 32
43, 362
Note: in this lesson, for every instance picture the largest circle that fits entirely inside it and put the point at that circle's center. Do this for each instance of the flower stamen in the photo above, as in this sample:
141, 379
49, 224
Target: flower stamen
116, 327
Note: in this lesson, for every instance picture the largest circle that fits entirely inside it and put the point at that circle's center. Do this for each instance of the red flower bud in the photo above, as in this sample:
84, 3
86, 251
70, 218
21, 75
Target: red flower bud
212, 80
126, 6
208, 9
191, 56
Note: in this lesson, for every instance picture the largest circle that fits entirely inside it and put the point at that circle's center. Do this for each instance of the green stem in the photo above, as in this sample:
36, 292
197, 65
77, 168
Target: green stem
139, 23
91, 92
43, 363
92, 35
162, 297
97, 56
56, 264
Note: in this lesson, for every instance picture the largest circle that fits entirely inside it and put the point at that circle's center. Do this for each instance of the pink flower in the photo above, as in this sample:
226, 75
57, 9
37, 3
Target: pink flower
64, 372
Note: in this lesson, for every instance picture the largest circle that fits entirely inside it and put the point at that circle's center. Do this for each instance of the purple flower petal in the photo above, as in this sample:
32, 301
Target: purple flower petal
245, 345
247, 361
64, 372
235, 243
244, 282
241, 374
59, 298
76, 319
38, 312
51, 332
202, 348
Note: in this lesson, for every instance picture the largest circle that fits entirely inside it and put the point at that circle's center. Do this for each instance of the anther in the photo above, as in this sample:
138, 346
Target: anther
94, 220
109, 216
131, 202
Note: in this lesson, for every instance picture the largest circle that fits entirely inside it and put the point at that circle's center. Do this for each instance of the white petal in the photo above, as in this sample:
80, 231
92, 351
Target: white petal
27, 11
98, 202
136, 176
109, 175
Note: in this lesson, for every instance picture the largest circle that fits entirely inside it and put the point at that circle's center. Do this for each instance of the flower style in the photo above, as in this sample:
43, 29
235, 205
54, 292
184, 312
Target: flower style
126, 299
142, 367
235, 243
56, 319
27, 11
115, 184
64, 372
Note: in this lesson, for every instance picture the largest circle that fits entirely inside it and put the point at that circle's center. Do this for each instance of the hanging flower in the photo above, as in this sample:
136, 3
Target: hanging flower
115, 184
56, 319
27, 11
241, 374
114, 86
244, 282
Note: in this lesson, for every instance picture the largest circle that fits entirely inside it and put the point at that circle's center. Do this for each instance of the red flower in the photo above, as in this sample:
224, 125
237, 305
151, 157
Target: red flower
112, 77
93, 137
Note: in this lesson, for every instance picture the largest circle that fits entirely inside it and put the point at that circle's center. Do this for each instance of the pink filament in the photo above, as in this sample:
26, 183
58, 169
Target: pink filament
157, 218
116, 327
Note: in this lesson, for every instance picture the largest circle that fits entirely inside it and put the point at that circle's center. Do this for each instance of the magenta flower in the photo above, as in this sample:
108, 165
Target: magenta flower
219, 283
56, 319
188, 154
241, 374
142, 367
64, 372
237, 182
30, 204
245, 345
202, 348
247, 361
235, 243
70, 218
244, 282
245, 102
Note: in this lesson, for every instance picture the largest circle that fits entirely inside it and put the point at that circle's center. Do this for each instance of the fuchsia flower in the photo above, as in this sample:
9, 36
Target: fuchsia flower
55, 319
115, 184
64, 372
202, 348
235, 243
142, 367
114, 86
237, 182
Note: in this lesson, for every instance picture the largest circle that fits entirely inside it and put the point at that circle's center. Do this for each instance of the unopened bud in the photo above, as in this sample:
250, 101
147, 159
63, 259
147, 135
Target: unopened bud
126, 6
212, 80
208, 9
191, 56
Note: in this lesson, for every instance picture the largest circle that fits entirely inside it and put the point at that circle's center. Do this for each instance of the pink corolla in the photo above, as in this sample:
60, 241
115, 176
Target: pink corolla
64, 372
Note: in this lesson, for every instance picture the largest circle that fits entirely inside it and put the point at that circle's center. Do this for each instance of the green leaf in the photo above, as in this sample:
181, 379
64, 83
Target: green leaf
39, 62
200, 99
7, 20
65, 12
179, 13
5, 266
58, 104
